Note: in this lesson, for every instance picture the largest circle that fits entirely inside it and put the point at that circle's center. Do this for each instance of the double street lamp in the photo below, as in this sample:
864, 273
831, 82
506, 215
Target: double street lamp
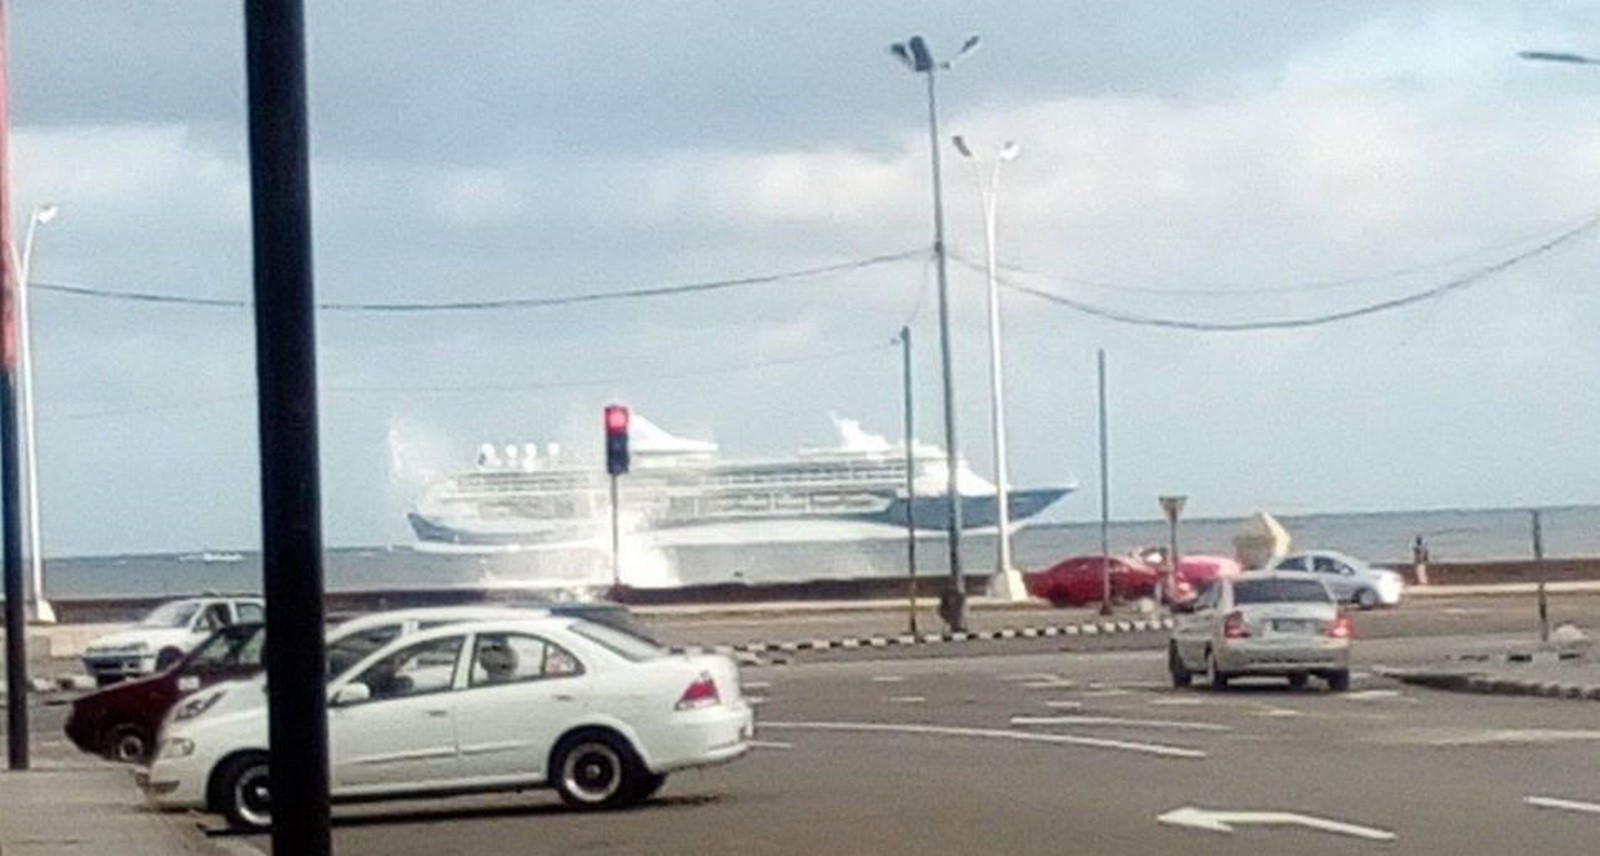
919, 59
1006, 583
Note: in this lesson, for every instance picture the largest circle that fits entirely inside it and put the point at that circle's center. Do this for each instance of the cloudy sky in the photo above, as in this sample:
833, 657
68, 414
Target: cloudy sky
1306, 157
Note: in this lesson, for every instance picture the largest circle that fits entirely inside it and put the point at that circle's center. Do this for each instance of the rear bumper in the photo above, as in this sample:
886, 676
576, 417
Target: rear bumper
1283, 657
702, 738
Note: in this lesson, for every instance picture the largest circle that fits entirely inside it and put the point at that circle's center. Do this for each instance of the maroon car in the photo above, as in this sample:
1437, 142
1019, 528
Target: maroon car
1078, 581
120, 721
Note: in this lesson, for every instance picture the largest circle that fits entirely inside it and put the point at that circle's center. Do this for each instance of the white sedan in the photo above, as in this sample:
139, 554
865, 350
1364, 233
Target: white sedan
498, 705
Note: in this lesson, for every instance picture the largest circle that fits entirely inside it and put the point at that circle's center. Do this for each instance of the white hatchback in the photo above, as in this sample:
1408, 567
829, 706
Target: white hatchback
497, 705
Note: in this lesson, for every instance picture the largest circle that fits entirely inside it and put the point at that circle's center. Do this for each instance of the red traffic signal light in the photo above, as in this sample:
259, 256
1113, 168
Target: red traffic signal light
616, 422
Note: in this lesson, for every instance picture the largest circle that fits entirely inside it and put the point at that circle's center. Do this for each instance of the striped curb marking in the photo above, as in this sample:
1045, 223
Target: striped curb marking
908, 640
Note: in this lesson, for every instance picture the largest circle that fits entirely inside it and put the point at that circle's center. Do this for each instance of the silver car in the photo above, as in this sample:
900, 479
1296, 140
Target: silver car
1350, 579
1263, 623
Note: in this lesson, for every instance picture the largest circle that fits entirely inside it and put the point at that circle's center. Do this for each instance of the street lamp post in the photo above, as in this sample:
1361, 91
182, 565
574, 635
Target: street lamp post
1006, 583
42, 613
915, 54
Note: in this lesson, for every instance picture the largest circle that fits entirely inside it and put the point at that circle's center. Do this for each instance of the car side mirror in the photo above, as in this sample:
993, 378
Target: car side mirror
351, 694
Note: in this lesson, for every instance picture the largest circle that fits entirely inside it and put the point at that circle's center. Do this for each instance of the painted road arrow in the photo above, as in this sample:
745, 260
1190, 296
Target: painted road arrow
1225, 821
1568, 805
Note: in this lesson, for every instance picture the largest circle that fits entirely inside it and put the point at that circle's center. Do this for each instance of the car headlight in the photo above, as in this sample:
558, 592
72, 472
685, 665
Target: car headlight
177, 747
197, 705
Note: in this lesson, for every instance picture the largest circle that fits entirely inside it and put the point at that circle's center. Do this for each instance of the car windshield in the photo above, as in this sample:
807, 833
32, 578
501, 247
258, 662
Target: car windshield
619, 642
1280, 591
177, 614
230, 649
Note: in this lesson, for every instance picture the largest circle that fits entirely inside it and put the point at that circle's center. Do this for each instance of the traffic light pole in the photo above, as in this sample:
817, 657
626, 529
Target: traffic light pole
616, 539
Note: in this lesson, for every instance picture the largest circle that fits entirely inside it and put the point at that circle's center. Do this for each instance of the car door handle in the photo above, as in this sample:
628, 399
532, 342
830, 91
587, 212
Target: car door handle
562, 697
438, 713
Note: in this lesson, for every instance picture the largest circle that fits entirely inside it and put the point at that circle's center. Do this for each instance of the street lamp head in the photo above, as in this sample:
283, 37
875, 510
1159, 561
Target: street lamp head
900, 50
921, 57
47, 212
970, 45
1010, 150
961, 145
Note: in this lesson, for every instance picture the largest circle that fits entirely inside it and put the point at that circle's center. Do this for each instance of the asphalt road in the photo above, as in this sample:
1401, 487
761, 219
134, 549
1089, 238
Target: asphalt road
1442, 773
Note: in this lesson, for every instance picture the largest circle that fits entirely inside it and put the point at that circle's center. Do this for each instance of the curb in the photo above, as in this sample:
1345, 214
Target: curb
907, 640
58, 684
1486, 684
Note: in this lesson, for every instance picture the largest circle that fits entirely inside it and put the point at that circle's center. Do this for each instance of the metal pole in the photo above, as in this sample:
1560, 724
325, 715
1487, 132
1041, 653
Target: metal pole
1172, 560
1538, 536
42, 612
285, 315
11, 513
911, 482
1544, 615
616, 540
997, 395
953, 605
1105, 491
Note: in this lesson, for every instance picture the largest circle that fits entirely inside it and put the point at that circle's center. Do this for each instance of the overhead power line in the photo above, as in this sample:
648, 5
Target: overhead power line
1457, 284
496, 303
1293, 288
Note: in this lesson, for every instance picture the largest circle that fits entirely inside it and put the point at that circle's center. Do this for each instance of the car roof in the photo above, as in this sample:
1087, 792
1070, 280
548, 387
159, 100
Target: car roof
450, 614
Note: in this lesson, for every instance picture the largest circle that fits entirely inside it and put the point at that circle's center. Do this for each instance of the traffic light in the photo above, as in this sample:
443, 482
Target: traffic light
616, 439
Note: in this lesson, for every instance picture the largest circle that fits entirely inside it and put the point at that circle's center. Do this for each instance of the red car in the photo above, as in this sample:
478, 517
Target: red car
1078, 580
120, 721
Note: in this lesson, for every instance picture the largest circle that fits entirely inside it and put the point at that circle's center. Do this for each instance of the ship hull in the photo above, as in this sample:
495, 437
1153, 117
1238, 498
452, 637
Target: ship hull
927, 515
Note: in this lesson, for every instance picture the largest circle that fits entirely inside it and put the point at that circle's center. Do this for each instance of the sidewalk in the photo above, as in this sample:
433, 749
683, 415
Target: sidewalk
91, 809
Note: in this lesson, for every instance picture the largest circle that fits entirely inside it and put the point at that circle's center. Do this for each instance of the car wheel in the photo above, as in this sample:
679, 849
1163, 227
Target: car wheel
168, 658
1367, 599
128, 743
1181, 677
1339, 681
1298, 681
1217, 678
242, 792
649, 784
598, 770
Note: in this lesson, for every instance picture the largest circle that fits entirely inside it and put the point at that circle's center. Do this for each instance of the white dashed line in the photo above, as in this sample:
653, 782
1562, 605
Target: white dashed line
1107, 693
1160, 749
888, 679
1037, 676
754, 700
907, 699
1064, 705
1057, 684
758, 685
770, 744
1117, 722
1177, 701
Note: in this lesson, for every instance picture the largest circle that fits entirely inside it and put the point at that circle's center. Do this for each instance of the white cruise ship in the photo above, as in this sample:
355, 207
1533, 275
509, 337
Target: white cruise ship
680, 492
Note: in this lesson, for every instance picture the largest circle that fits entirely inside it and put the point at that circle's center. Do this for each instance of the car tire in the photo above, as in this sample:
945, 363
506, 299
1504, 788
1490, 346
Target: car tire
1298, 681
596, 770
127, 743
1339, 681
1181, 676
239, 790
168, 658
649, 785
1367, 599
1217, 678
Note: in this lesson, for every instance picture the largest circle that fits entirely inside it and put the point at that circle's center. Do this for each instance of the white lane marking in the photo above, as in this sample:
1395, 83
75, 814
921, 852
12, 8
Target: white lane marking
1031, 676
1107, 694
770, 744
1052, 684
758, 685
1368, 695
1114, 722
889, 679
1278, 712
1160, 749
1176, 701
907, 699
1454, 737
754, 700
1567, 805
1224, 821
1066, 705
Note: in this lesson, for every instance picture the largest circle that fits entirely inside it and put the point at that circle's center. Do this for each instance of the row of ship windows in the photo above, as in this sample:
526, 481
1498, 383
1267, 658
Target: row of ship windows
501, 486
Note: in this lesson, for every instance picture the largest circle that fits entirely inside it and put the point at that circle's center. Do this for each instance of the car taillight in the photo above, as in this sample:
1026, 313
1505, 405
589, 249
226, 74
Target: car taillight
701, 693
1342, 628
1233, 626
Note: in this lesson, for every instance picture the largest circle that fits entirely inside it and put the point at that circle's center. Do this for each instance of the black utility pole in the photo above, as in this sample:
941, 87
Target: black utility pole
286, 373
10, 495
911, 482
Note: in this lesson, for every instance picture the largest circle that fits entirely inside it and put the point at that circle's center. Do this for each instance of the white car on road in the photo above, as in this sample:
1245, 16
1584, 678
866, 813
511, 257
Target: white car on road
501, 705
1350, 579
1261, 624
161, 638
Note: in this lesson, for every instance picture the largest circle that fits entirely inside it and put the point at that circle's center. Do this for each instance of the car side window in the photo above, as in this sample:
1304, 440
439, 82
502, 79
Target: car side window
1208, 597
1296, 563
250, 612
354, 648
213, 617
503, 658
1325, 565
426, 667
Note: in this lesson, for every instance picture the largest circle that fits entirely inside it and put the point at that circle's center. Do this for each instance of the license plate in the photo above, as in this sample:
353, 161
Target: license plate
1294, 626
